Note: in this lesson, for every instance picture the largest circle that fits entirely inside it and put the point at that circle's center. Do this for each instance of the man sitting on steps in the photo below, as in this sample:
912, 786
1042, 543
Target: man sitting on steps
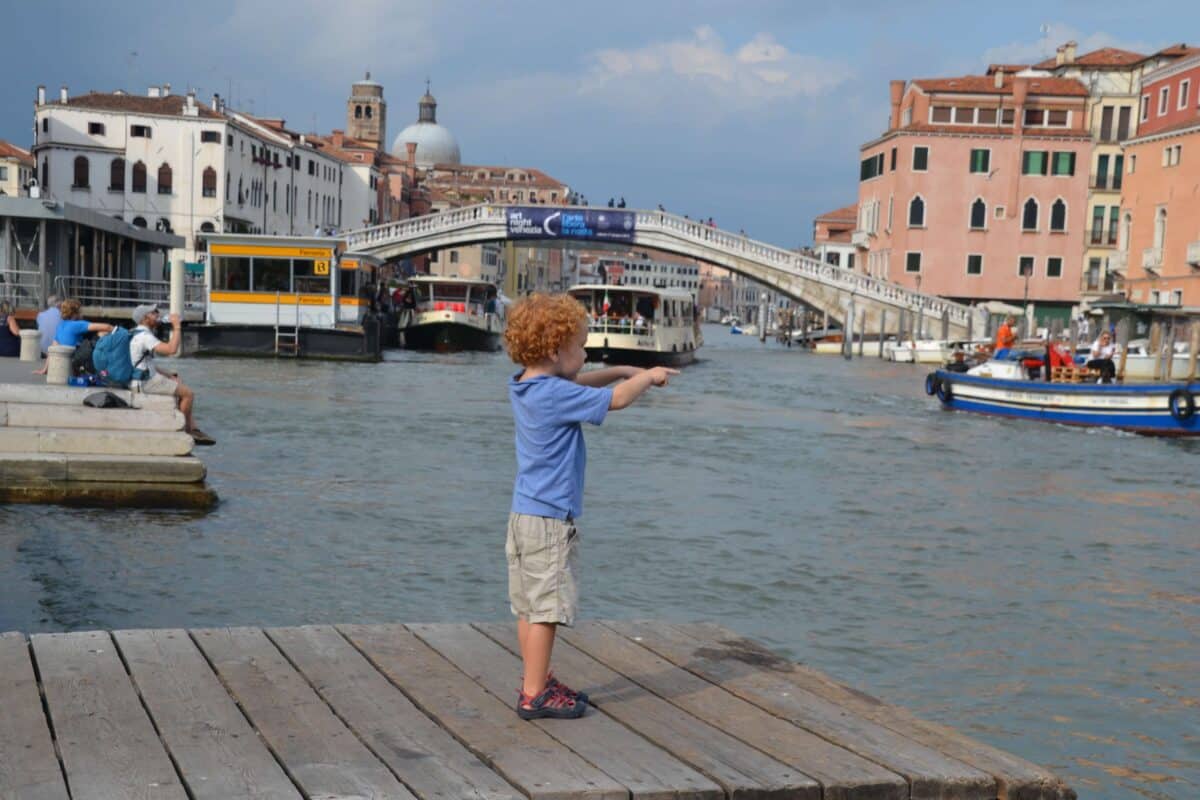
143, 347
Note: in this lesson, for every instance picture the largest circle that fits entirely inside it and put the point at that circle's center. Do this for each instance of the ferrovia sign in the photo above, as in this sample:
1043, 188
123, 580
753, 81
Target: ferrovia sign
532, 222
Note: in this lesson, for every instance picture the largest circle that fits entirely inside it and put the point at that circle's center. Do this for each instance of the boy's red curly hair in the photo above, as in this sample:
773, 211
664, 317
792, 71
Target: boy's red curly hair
538, 325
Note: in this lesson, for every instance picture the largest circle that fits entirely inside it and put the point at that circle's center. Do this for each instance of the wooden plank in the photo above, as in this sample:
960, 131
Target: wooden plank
107, 744
29, 769
646, 769
1015, 776
215, 750
429, 760
842, 774
739, 769
319, 753
524, 754
930, 773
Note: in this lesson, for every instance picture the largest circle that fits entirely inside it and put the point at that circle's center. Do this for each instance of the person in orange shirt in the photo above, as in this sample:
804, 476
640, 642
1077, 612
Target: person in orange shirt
1005, 338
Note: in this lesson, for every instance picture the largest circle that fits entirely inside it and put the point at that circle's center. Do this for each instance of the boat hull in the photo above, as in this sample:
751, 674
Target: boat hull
450, 337
351, 343
640, 358
1144, 408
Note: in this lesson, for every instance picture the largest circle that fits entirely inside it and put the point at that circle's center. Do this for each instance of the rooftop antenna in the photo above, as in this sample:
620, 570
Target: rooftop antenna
130, 64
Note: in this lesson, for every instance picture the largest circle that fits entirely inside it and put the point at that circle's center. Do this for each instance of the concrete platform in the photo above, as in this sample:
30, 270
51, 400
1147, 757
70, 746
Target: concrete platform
680, 712
95, 442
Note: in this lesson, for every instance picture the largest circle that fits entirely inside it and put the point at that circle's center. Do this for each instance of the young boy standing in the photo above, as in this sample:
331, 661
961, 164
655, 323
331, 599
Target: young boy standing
550, 399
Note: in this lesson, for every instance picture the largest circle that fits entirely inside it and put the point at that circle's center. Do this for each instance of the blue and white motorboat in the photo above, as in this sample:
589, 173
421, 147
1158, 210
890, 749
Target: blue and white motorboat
1003, 388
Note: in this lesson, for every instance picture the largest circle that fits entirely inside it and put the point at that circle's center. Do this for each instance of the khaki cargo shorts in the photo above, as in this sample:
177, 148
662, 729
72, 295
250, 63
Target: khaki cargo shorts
543, 568
159, 384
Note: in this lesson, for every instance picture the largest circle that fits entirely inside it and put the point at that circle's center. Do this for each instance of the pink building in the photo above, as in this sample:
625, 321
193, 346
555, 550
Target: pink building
978, 190
1160, 216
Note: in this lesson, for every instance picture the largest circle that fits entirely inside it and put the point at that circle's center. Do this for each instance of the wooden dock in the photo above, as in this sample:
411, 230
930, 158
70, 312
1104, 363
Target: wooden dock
425, 711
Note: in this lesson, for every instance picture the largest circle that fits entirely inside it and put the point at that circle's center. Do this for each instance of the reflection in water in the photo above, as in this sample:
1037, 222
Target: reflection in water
1035, 586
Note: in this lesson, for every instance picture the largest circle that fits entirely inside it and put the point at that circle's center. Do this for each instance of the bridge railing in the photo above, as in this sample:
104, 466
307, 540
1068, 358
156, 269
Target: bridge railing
694, 232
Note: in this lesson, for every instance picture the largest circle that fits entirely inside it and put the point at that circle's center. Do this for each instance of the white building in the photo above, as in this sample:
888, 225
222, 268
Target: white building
16, 169
167, 162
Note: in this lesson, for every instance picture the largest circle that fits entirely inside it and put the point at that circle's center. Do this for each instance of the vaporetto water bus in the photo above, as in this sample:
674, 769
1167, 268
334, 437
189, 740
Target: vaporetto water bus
453, 314
643, 326
1003, 388
286, 295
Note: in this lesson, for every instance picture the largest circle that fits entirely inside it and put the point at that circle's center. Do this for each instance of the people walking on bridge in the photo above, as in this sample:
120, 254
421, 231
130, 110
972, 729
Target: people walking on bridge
551, 398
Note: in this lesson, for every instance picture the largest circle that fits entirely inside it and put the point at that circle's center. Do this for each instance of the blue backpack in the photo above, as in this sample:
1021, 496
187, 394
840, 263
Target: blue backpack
111, 358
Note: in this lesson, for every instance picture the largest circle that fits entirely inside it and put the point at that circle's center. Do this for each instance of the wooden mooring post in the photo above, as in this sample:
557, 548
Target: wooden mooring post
848, 333
1193, 348
1123, 342
883, 330
862, 333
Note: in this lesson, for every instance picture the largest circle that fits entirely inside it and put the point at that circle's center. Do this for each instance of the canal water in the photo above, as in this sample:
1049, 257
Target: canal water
1035, 586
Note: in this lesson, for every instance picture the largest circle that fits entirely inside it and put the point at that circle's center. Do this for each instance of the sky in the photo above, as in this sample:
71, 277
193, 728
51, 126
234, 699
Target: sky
751, 112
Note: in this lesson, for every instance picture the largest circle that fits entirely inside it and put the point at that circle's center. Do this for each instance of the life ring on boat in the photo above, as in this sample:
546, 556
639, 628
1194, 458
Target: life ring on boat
1182, 404
944, 392
931, 384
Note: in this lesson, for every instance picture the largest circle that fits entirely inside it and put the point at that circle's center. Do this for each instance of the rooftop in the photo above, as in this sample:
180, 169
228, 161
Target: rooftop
1104, 57
844, 214
986, 84
171, 105
10, 150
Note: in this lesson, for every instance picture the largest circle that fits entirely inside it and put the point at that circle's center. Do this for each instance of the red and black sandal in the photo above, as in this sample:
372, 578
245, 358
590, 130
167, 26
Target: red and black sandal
554, 683
550, 704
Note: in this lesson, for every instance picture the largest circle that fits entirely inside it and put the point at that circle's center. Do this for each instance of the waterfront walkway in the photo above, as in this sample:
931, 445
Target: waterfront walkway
425, 711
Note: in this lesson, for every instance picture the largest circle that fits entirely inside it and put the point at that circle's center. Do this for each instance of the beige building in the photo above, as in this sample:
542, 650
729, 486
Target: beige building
16, 169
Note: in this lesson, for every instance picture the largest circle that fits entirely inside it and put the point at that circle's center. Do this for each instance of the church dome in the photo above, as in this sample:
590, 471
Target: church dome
435, 144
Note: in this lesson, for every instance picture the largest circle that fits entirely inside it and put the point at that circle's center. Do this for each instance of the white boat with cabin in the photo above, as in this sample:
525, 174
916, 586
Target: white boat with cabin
453, 314
639, 326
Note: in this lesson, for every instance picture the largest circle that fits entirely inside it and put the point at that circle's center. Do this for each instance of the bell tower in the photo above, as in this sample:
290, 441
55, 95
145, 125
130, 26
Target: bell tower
366, 112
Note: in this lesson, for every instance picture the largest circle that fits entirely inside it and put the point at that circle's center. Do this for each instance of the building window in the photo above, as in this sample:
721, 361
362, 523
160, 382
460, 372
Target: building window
208, 182
1025, 266
1132, 162
45, 124
1118, 171
978, 214
358, 112
1058, 216
1035, 117
211, 137
1029, 216
1164, 98
1097, 236
96, 128
1123, 123
894, 149
229, 140
1054, 267
367, 112
916, 212
138, 184
1093, 275
920, 159
986, 116
1185, 89
1145, 115
1106, 124
164, 179
1057, 118
139, 222
1114, 223
116, 175
1064, 163
1101, 180
275, 195
312, 167
940, 114
3, 173
912, 262
453, 256
81, 173
139, 131
975, 264
981, 160
1034, 162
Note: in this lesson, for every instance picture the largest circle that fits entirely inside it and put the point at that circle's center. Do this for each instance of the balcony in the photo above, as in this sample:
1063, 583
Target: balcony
1152, 258
1105, 183
1193, 253
1096, 237
1118, 262
860, 239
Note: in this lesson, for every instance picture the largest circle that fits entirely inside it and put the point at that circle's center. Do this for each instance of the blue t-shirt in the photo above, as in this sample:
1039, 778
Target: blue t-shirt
70, 331
551, 455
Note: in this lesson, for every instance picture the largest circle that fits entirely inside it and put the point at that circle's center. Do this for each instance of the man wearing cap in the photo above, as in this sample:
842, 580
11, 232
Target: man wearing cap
144, 346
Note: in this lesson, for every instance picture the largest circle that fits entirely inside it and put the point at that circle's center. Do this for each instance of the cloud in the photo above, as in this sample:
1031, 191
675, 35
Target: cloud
1053, 35
703, 69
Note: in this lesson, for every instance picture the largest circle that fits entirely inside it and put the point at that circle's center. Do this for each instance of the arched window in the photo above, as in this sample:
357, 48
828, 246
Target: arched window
138, 183
1058, 215
164, 179
275, 196
358, 112
208, 182
240, 197
1160, 228
916, 212
1029, 216
207, 227
367, 112
978, 214
81, 173
1126, 225
226, 186
139, 222
116, 175
46, 168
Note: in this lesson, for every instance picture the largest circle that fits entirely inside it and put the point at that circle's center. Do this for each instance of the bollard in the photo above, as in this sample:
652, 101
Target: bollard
177, 279
31, 345
58, 364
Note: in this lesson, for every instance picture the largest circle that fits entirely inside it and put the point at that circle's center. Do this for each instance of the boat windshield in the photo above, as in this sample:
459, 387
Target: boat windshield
462, 297
614, 310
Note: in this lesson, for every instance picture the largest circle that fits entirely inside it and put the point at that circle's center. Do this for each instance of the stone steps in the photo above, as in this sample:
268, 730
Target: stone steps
87, 441
31, 415
41, 394
26, 468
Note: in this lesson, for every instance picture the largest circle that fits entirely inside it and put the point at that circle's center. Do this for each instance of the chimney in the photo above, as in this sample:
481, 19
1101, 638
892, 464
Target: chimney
338, 139
302, 141
897, 91
1060, 55
216, 102
998, 79
1069, 52
1020, 91
62, 94
153, 91
41, 96
411, 147
166, 89
189, 108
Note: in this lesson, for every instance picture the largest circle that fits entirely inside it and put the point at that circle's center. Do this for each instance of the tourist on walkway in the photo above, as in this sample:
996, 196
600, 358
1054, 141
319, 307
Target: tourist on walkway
1102, 354
47, 324
10, 332
71, 328
550, 399
143, 347
1005, 338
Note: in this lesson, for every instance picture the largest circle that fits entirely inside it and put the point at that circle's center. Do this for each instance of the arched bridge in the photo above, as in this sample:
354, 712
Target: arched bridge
826, 287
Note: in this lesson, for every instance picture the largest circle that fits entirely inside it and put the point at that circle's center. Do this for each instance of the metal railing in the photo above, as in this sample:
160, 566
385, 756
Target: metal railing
22, 288
127, 292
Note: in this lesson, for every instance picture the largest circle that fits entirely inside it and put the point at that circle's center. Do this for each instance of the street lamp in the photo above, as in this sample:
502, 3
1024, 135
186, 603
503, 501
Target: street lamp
1026, 272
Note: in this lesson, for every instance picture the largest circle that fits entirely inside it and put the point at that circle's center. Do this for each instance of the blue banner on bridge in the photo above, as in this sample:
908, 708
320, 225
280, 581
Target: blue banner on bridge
535, 222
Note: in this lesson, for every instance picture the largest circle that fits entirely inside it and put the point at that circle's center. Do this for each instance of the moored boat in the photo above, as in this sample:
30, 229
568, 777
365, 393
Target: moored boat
640, 326
1002, 388
453, 314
